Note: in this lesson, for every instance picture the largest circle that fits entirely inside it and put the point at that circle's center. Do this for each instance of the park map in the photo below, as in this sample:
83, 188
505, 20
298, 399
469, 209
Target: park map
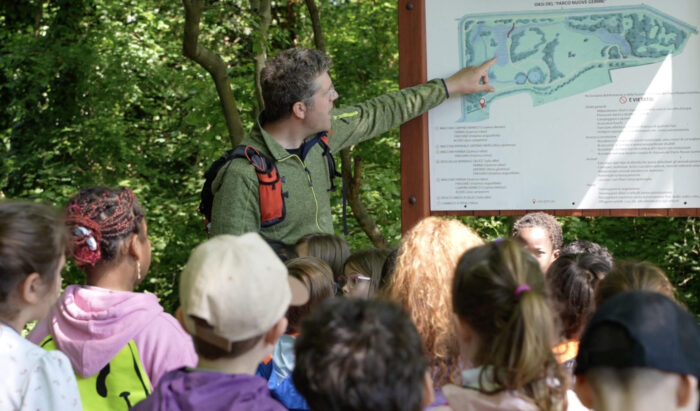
556, 54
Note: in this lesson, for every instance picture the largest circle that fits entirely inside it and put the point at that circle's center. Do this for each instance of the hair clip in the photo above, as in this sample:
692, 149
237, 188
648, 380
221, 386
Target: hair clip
84, 232
81, 231
92, 244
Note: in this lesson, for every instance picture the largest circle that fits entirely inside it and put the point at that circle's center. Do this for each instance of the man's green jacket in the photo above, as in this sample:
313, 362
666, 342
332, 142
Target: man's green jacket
306, 183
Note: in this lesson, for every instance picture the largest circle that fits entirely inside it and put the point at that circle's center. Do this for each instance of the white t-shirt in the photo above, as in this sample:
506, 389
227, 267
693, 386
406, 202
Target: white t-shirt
33, 378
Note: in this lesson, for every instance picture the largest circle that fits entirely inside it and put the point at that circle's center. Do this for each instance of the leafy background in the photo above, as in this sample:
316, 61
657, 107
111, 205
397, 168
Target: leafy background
98, 92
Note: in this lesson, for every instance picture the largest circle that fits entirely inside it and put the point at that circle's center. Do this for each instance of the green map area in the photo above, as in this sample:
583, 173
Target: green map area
556, 54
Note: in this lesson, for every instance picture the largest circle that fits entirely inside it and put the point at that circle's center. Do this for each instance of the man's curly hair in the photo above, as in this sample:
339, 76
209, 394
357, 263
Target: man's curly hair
290, 77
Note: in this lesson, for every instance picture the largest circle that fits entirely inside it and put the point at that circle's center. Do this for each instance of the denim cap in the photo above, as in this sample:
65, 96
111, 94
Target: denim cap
641, 329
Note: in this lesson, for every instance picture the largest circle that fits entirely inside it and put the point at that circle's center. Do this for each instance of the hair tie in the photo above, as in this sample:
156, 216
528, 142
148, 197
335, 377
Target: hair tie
521, 289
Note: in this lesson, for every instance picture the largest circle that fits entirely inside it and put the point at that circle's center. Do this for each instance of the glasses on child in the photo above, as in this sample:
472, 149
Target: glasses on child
352, 279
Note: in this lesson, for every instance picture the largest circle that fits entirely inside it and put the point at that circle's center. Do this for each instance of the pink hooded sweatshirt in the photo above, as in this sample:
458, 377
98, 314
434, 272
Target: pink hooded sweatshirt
91, 325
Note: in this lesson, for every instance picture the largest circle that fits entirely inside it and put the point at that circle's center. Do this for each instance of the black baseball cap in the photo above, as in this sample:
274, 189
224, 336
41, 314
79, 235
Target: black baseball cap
641, 329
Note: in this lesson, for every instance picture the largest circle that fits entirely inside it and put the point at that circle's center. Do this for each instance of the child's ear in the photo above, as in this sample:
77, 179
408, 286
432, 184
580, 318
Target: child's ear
427, 390
276, 331
687, 388
133, 247
583, 391
32, 289
556, 253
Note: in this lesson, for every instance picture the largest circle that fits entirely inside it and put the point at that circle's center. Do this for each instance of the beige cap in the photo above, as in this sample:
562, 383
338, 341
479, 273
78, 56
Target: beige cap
239, 286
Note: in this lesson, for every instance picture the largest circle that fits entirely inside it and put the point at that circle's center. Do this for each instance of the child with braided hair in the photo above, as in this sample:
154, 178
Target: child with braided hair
105, 324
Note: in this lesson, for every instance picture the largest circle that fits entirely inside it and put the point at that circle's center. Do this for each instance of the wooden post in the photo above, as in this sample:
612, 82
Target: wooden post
415, 173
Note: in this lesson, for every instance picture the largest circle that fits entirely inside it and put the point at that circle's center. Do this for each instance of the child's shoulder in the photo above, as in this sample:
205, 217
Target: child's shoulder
15, 349
214, 389
463, 399
164, 327
27, 366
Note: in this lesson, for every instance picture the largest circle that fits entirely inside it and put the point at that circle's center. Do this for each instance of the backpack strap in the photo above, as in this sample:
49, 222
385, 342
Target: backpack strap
271, 197
333, 173
207, 193
332, 169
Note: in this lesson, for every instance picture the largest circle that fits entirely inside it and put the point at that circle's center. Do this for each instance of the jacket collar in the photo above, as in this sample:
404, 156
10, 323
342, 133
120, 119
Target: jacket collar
271, 145
473, 378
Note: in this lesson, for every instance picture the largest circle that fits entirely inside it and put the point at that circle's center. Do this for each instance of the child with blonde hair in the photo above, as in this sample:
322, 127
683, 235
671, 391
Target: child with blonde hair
332, 249
506, 331
629, 275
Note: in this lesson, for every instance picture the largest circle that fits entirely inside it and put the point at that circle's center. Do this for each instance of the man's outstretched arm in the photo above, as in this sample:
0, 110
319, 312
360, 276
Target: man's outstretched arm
473, 79
354, 124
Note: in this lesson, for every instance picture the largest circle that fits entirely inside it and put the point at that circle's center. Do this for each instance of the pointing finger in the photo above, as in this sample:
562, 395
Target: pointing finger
486, 88
489, 63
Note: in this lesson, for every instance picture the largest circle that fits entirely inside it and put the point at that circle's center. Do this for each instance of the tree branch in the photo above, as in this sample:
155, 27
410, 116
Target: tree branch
261, 8
37, 17
214, 65
316, 24
352, 184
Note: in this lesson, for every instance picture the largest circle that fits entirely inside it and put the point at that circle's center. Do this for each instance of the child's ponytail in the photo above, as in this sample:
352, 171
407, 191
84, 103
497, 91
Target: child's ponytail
500, 292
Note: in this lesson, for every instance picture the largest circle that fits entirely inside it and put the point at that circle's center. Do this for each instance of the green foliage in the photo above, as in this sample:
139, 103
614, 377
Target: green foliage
102, 96
362, 38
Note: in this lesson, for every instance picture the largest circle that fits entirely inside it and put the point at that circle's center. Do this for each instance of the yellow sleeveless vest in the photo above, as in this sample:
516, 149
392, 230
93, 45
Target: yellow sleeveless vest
119, 385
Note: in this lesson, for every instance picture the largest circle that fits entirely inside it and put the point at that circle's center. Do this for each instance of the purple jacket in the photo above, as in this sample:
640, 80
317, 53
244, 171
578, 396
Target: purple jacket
196, 390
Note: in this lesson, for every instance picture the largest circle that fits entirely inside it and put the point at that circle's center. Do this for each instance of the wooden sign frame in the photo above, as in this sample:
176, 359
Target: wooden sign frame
415, 165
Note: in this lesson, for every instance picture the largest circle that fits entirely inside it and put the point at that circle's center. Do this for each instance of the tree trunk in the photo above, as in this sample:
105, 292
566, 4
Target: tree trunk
215, 66
316, 24
260, 8
291, 21
37, 17
350, 181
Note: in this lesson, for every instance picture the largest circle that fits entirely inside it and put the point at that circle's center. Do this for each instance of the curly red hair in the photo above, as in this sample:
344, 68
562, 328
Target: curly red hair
422, 284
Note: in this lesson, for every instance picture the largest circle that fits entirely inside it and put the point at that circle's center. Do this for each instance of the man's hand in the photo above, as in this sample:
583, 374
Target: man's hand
473, 79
